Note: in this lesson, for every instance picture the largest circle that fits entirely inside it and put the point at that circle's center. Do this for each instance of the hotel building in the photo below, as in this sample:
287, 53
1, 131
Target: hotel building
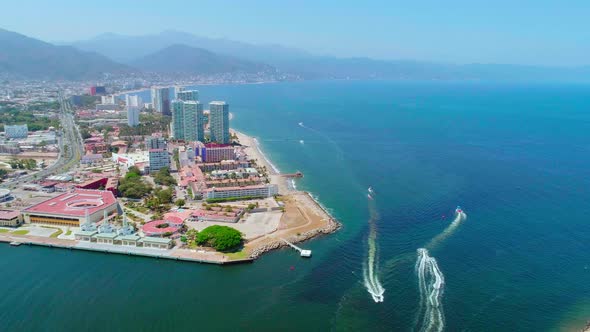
263, 190
161, 100
219, 122
187, 120
213, 153
188, 95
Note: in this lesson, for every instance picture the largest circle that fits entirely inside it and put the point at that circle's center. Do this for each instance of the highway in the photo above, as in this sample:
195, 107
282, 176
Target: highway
71, 147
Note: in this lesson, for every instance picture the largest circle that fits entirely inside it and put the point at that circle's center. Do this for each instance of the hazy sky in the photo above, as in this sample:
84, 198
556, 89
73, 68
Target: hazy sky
461, 31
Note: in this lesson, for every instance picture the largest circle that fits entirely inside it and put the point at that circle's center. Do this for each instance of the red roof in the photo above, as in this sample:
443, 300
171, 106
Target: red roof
8, 214
75, 203
151, 228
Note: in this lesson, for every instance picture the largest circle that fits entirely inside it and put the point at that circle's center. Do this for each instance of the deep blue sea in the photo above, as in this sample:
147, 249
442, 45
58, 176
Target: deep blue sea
515, 157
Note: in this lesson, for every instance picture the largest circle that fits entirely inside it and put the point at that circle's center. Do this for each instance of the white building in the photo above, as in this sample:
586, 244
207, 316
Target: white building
16, 131
265, 190
132, 116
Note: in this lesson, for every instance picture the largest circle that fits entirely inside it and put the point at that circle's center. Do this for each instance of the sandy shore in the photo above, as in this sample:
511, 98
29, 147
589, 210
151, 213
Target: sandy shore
304, 217
254, 152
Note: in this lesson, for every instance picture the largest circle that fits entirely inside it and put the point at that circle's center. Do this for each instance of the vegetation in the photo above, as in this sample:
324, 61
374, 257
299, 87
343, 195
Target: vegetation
163, 177
23, 163
180, 202
21, 232
176, 157
3, 173
232, 199
13, 114
160, 200
221, 238
149, 123
57, 232
132, 185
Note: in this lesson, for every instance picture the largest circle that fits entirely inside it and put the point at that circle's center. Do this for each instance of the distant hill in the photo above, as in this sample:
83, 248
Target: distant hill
191, 60
127, 48
26, 57
295, 61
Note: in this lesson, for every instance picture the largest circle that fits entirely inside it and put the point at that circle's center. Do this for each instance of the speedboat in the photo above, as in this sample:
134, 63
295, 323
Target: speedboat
371, 190
458, 209
301, 124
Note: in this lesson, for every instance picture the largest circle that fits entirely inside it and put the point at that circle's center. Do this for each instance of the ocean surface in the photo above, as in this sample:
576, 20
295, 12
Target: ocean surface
515, 157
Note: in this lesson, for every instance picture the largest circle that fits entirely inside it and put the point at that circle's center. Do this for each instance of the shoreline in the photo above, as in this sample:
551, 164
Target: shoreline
308, 207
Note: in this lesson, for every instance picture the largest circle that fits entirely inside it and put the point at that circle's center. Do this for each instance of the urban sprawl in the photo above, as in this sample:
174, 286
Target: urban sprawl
95, 167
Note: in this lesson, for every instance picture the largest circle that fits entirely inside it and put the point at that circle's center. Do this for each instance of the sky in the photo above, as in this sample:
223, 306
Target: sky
534, 32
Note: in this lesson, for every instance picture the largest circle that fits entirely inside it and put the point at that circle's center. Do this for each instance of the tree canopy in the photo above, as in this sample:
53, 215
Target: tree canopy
132, 185
221, 238
163, 177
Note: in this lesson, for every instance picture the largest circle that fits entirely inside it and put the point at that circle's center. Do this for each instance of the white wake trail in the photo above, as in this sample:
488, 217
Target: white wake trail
459, 218
371, 266
431, 284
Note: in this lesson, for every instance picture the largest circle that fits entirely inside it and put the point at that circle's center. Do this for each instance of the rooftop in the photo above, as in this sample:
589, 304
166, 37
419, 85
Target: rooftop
8, 214
75, 203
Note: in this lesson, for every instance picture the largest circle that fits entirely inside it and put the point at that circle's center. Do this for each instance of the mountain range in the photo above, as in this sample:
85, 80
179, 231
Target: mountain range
174, 53
21, 56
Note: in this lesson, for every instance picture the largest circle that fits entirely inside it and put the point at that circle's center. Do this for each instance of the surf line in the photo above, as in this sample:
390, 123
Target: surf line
371, 265
431, 280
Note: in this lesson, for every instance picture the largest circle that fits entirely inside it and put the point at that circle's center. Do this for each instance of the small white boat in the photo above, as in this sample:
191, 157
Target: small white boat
300, 124
301, 141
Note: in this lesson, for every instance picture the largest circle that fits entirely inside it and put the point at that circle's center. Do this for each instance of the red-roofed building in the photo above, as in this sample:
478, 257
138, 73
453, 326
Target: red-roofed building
69, 209
10, 218
93, 183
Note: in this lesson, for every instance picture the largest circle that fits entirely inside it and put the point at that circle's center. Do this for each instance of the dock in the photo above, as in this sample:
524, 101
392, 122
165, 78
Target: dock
121, 250
297, 174
302, 252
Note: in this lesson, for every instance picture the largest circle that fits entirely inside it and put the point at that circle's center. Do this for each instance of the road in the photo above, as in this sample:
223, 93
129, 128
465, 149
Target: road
71, 147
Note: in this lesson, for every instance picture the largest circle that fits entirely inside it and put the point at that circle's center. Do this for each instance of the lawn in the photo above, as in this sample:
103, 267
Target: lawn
243, 254
69, 232
56, 233
21, 232
2, 230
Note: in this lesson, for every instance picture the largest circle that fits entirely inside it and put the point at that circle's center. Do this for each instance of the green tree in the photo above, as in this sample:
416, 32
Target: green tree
180, 202
221, 238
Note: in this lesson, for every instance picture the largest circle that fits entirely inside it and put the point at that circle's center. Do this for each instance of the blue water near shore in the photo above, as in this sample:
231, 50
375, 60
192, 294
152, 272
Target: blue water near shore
515, 157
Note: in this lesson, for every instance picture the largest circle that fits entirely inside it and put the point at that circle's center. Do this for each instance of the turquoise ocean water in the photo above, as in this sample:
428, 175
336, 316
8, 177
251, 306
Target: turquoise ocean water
515, 157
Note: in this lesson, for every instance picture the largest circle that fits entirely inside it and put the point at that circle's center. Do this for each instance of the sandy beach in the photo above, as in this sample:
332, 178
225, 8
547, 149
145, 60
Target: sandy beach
304, 217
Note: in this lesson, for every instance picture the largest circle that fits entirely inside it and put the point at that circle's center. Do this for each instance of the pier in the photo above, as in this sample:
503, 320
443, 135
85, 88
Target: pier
297, 174
302, 252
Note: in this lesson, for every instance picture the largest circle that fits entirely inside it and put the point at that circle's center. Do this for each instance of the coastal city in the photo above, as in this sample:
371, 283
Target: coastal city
95, 167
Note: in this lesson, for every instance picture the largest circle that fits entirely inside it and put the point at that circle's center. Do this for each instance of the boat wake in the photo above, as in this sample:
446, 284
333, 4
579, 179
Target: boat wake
460, 216
371, 265
431, 284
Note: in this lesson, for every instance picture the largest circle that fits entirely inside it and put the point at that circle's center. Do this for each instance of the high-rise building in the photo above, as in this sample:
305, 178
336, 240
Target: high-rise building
16, 131
161, 100
187, 120
177, 89
133, 105
219, 122
188, 95
155, 143
159, 159
132, 116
